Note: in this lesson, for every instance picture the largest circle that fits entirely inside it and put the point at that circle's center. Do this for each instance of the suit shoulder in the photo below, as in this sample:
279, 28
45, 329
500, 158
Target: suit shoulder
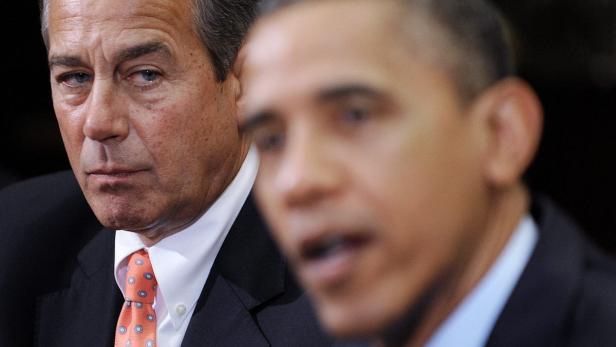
44, 222
566, 295
591, 274
50, 189
42, 212
48, 199
595, 312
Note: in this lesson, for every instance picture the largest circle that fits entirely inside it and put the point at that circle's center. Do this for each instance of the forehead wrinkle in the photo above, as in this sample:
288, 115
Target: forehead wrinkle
167, 11
79, 35
153, 47
177, 16
87, 17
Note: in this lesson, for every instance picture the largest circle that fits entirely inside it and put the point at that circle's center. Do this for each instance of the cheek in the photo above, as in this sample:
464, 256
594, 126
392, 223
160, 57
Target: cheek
411, 194
273, 210
201, 119
70, 126
268, 200
423, 203
173, 130
418, 169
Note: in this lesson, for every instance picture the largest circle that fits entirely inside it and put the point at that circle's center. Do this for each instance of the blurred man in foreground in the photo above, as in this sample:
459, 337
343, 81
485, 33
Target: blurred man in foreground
393, 139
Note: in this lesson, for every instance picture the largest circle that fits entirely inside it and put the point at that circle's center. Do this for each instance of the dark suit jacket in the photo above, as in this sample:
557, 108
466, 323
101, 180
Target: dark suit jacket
566, 295
57, 275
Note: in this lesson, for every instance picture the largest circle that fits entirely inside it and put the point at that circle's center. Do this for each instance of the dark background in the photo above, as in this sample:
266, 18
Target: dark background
566, 49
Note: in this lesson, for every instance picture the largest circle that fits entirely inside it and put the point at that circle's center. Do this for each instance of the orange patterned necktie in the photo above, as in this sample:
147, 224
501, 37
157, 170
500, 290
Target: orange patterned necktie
137, 321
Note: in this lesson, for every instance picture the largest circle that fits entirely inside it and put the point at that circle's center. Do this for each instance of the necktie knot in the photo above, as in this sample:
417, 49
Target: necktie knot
140, 281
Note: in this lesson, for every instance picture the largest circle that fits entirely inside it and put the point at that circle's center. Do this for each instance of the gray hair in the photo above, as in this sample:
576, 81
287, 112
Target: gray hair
220, 24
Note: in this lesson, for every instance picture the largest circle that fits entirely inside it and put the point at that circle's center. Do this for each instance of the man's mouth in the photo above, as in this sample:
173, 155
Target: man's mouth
120, 173
330, 259
330, 246
114, 175
113, 171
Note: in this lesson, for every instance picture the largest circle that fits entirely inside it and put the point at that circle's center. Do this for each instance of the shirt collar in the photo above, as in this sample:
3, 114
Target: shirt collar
472, 321
182, 261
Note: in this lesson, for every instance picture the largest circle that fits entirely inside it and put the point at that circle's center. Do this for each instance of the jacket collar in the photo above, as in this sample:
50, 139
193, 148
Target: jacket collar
248, 272
547, 286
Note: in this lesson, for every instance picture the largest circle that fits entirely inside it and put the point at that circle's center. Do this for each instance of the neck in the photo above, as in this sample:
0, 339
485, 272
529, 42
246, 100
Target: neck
505, 209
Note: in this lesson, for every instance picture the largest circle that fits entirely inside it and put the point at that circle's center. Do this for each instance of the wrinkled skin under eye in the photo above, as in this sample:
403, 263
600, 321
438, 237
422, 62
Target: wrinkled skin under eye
74, 79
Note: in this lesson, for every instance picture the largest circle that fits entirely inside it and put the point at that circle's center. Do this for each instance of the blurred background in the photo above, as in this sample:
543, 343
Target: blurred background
566, 49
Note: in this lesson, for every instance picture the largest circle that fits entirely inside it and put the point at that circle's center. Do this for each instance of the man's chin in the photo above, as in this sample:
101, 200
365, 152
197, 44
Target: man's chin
122, 222
369, 317
121, 218
350, 322
119, 210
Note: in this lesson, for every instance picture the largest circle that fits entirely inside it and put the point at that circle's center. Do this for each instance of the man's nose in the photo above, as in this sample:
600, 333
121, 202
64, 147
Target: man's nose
309, 171
107, 113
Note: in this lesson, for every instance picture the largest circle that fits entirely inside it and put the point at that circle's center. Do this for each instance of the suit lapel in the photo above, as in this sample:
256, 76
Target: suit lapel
84, 314
247, 273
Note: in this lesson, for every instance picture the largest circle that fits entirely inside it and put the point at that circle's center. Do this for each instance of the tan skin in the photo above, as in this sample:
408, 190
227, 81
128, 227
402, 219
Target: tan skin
364, 140
150, 133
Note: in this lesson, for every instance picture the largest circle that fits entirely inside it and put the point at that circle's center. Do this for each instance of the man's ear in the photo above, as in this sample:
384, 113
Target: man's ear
513, 119
237, 72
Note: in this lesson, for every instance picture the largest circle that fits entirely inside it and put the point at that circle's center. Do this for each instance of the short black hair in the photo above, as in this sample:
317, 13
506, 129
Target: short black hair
474, 30
479, 32
221, 25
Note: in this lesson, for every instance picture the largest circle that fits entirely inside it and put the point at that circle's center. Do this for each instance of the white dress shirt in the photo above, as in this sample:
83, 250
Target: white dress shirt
472, 322
182, 261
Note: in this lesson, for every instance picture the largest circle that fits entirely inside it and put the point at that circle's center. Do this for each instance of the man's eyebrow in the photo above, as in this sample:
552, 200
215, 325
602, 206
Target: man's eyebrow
255, 120
141, 50
124, 55
346, 91
328, 94
67, 61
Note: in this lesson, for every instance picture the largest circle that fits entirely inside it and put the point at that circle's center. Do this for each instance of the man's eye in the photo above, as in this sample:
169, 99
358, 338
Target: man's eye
354, 115
144, 78
149, 75
269, 142
75, 79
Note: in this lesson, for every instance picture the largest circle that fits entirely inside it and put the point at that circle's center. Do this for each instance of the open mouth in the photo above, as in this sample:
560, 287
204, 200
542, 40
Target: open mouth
330, 246
330, 259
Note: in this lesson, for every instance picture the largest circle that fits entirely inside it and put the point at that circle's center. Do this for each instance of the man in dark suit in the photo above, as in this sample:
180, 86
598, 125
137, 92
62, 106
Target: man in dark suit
393, 137
147, 108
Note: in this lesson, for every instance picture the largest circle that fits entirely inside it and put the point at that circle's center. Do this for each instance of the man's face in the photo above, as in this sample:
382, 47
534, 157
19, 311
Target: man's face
370, 162
150, 134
